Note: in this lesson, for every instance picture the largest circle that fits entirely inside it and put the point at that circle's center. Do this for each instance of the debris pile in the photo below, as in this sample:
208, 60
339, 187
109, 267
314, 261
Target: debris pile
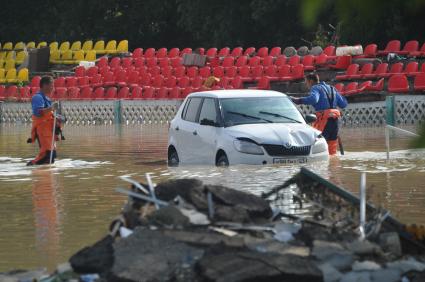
184, 230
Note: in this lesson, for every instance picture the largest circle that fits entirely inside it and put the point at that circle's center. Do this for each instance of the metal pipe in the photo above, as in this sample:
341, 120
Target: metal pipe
141, 197
151, 190
135, 183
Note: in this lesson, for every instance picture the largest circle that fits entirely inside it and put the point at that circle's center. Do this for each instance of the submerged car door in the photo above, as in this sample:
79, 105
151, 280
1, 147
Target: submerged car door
207, 130
188, 142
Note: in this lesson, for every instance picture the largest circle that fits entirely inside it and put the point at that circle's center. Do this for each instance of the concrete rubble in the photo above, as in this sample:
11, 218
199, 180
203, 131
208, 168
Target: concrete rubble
188, 231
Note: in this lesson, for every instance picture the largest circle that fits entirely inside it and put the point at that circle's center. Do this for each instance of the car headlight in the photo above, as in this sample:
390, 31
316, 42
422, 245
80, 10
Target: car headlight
248, 147
320, 145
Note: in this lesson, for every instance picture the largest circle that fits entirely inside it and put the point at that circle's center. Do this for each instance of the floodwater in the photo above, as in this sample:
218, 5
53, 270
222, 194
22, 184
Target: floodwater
49, 213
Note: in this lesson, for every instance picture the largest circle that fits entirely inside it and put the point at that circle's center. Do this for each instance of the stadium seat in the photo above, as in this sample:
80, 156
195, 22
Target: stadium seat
254, 61
379, 86
54, 57
351, 73
263, 51
237, 82
151, 62
145, 79
11, 76
164, 62
411, 69
64, 47
98, 94
136, 93
2, 76
121, 78
297, 72
126, 62
257, 72
12, 92
280, 60
392, 47
410, 47
174, 52
212, 52
60, 94
175, 93
218, 72
150, 53
148, 92
329, 51
10, 64
74, 93
224, 52
366, 70
86, 93
2, 93
231, 72
237, 52
180, 71
322, 59
167, 71
249, 51
122, 46
35, 81
176, 62
161, 53
263, 83
189, 51
66, 58
139, 62
241, 61
99, 47
284, 72
271, 72
161, 93
96, 80
228, 62
183, 82
370, 51
78, 56
197, 82
83, 81
398, 83
91, 71
8, 46
80, 71
87, 46
19, 46
192, 72
76, 46
342, 62
225, 83
420, 53
396, 68
340, 88
245, 73
133, 79
171, 82
294, 60
42, 44
351, 89
137, 53
158, 81
123, 93
109, 79
267, 61
20, 57
205, 72
54, 46
115, 63
419, 82
275, 52
308, 62
59, 82
23, 75
380, 71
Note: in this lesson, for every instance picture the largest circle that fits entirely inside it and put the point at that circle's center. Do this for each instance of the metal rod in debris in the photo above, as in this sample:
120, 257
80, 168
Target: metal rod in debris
141, 197
362, 204
135, 183
152, 191
210, 205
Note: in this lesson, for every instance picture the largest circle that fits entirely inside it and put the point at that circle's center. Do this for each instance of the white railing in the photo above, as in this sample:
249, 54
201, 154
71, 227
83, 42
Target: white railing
387, 136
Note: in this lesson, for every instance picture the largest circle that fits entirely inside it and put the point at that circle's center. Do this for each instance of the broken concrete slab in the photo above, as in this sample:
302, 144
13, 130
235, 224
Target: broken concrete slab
406, 265
168, 216
390, 243
363, 247
387, 275
366, 265
356, 277
330, 274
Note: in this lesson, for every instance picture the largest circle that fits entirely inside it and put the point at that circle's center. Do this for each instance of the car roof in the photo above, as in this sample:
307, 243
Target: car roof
240, 93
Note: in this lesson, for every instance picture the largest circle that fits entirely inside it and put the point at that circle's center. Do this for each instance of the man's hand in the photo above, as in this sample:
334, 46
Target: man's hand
296, 100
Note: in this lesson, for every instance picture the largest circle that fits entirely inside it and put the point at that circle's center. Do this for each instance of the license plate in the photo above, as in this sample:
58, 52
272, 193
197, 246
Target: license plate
290, 161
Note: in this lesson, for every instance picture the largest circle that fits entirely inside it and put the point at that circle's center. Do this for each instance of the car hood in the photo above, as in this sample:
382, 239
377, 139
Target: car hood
276, 133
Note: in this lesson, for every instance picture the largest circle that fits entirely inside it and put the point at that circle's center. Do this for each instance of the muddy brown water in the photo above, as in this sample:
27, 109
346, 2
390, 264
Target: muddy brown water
49, 213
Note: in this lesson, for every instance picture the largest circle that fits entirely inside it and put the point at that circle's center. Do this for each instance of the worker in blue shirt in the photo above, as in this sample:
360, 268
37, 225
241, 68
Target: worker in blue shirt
325, 99
42, 122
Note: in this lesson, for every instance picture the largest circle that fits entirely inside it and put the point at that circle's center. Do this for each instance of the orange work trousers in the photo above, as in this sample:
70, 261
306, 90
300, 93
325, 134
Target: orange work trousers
327, 123
42, 131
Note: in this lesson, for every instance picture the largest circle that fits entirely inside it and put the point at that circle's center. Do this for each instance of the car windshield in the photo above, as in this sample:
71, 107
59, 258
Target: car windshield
259, 110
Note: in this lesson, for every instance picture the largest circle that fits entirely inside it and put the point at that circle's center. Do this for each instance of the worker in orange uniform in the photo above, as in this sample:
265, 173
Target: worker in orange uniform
325, 99
42, 122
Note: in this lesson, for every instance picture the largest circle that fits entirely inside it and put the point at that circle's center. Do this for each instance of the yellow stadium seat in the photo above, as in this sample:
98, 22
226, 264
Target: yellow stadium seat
2, 77
53, 46
122, 46
66, 58
99, 47
8, 46
20, 57
55, 57
87, 45
76, 46
10, 64
23, 75
11, 55
11, 76
31, 44
111, 47
78, 56
3, 55
42, 44
19, 46
90, 56
64, 47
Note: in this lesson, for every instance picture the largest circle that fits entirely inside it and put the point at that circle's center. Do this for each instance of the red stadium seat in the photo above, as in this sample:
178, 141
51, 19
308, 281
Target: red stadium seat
161, 93
136, 93
176, 62
294, 60
158, 81
365, 86
271, 72
59, 83
71, 81
103, 62
174, 52
96, 81
254, 61
139, 62
419, 82
154, 71
80, 71
396, 68
231, 72
257, 72
115, 63
308, 62
351, 89
192, 72
263, 51
99, 94
228, 62
263, 83
148, 92
145, 79
297, 72
329, 51
267, 61
60, 94
86, 93
351, 73
183, 82
224, 52
197, 82
167, 71
398, 83
237, 52
186, 91
284, 72
137, 53
392, 47
411, 69
322, 59
74, 93
249, 51
370, 51
35, 83
171, 82
109, 79
225, 82
237, 83
339, 87
366, 70
12, 92
25, 93
275, 52
342, 62
111, 93
133, 79
164, 62
180, 71
151, 62
380, 71
218, 72
127, 62
245, 73
205, 72
410, 47
189, 51
280, 61
379, 86
3, 93
92, 71
123, 93
212, 52
241, 61
420, 53
161, 53
83, 81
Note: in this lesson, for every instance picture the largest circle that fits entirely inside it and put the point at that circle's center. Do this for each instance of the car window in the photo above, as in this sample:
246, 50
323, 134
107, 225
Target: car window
208, 110
192, 109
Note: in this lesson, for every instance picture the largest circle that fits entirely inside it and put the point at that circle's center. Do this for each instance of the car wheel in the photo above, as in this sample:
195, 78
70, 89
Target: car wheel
173, 158
222, 160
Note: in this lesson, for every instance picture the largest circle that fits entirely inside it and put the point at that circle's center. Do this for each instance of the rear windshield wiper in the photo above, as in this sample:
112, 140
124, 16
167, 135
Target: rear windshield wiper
279, 115
249, 116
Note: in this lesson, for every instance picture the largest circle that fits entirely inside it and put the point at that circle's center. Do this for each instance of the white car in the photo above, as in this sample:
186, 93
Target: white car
225, 127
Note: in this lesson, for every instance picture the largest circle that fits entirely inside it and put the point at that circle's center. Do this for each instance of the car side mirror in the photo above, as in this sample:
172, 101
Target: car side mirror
310, 118
208, 122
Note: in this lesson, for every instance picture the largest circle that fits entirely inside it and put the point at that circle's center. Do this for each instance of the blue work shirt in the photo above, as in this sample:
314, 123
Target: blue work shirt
319, 100
38, 102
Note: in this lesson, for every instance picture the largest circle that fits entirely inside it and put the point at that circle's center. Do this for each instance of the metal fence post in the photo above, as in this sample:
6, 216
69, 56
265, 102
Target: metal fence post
390, 105
117, 112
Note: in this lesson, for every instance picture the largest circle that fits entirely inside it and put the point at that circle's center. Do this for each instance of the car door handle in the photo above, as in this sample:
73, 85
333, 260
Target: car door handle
195, 133
177, 128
